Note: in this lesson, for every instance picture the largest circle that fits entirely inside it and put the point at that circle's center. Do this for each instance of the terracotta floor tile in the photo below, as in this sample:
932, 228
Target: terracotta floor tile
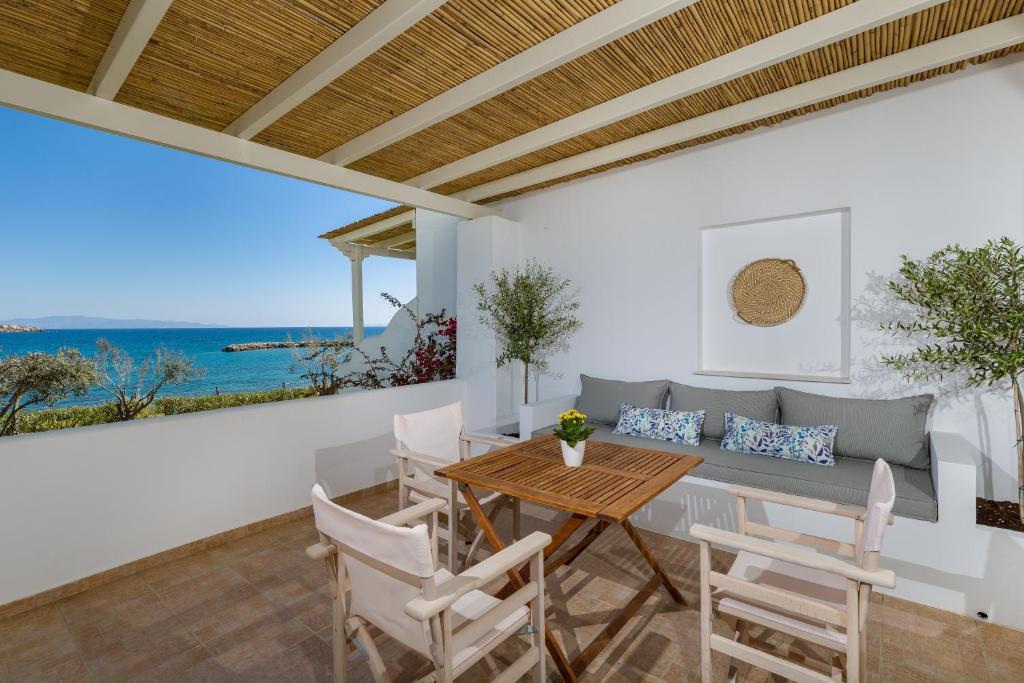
257, 609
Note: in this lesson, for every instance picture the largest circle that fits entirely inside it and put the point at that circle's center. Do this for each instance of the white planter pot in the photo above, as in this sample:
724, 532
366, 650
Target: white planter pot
573, 457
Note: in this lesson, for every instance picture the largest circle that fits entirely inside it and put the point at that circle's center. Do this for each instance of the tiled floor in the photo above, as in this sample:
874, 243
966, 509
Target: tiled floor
257, 610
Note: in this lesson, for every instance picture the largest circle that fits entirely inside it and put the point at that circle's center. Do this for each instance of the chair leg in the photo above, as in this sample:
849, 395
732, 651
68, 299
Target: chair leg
743, 638
357, 627
863, 657
340, 642
706, 614
537, 616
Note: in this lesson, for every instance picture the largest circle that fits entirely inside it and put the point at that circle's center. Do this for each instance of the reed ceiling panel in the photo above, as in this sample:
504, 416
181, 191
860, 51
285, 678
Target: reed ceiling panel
369, 220
459, 40
692, 36
924, 27
210, 60
770, 121
58, 41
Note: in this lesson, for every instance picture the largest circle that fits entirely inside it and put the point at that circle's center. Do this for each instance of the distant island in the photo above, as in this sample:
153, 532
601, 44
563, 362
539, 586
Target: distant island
4, 327
81, 322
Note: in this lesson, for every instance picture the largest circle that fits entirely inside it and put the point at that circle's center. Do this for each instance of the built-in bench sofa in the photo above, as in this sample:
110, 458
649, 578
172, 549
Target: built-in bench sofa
892, 429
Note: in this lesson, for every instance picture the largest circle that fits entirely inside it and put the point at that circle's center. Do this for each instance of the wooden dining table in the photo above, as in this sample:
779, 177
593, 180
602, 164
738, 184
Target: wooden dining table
613, 482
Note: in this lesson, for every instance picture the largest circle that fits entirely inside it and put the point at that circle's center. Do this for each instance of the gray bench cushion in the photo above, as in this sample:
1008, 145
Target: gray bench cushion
600, 399
758, 405
847, 482
891, 429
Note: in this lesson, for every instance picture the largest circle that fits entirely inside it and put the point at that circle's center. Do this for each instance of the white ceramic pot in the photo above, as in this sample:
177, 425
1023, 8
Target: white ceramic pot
573, 457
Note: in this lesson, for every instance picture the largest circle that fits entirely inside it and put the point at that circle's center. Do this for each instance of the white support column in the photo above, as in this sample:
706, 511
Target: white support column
355, 255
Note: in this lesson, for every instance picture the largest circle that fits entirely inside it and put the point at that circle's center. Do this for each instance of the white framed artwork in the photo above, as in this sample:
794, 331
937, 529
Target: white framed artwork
812, 344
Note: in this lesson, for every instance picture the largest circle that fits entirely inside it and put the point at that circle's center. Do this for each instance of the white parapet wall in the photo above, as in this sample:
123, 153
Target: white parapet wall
80, 501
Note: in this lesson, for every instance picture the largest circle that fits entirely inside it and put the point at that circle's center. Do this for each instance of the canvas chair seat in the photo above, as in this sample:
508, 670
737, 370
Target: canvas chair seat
812, 583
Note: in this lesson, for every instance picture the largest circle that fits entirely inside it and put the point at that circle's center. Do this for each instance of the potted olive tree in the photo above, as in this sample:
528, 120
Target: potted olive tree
969, 317
532, 312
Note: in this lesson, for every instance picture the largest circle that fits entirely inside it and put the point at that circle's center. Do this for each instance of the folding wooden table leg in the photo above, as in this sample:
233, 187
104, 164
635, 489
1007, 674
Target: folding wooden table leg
561, 661
634, 536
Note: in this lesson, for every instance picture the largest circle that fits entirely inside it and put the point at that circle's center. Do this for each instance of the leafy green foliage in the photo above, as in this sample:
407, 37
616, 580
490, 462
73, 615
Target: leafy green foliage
325, 363
532, 312
133, 387
179, 405
969, 306
66, 418
572, 427
40, 378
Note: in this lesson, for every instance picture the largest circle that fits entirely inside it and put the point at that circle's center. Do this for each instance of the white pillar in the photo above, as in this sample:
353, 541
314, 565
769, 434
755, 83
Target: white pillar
355, 255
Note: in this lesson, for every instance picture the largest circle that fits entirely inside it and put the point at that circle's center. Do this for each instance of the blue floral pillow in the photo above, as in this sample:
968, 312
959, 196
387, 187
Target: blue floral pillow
804, 444
666, 425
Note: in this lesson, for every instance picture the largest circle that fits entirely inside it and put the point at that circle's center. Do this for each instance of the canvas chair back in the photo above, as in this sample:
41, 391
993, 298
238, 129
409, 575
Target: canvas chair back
881, 498
433, 432
386, 567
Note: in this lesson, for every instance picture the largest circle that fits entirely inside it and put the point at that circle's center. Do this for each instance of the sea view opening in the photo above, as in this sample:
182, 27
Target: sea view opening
186, 284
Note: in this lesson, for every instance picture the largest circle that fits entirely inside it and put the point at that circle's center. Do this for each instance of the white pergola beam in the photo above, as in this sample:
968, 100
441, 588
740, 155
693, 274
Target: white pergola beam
38, 97
137, 25
988, 38
362, 40
832, 27
378, 227
600, 29
397, 240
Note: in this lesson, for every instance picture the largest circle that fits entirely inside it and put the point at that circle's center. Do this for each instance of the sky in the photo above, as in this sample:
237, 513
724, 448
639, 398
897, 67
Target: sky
100, 225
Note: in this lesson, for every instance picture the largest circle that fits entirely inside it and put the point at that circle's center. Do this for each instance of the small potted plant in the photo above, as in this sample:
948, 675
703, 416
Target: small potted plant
573, 432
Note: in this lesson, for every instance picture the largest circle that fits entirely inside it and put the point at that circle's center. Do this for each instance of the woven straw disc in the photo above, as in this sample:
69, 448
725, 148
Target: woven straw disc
768, 291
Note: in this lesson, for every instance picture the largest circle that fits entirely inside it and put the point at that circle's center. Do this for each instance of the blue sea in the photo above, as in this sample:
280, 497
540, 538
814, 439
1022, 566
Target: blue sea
225, 372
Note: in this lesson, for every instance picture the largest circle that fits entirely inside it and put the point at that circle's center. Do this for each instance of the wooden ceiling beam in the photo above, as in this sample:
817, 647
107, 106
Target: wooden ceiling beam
965, 45
46, 99
362, 40
397, 240
136, 27
378, 227
600, 29
832, 27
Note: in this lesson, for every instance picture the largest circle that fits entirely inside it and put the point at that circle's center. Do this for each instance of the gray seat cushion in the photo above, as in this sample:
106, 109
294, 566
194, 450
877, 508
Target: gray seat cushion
759, 405
891, 429
600, 399
848, 482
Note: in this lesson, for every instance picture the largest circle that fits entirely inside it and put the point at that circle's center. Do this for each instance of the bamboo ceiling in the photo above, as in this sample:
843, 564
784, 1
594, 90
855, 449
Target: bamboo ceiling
209, 61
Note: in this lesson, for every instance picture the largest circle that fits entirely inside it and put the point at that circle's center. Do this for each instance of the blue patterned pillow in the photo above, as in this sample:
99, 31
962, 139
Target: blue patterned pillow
804, 444
666, 425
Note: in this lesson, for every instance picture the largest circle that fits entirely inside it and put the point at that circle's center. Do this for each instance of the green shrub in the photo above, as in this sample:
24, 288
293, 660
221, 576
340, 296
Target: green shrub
82, 416
194, 404
63, 418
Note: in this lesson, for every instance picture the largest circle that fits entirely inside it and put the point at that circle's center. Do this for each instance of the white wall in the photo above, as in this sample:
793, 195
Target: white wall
919, 168
79, 501
435, 261
484, 245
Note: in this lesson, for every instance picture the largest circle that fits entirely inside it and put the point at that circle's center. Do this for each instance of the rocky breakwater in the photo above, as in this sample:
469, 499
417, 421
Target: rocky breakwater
262, 346
19, 328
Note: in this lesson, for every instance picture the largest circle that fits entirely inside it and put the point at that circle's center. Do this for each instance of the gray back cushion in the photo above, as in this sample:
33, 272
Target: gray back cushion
600, 398
891, 429
759, 405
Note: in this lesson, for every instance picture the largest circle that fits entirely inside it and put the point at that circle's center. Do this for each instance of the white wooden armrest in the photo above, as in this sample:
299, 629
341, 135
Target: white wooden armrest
405, 454
321, 551
787, 553
497, 442
417, 511
814, 504
478, 575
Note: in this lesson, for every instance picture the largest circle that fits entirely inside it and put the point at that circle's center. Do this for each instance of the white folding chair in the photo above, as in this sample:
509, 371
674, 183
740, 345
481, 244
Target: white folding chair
431, 439
818, 597
384, 573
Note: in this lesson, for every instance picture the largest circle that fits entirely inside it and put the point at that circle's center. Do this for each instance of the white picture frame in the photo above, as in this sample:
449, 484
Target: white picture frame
812, 346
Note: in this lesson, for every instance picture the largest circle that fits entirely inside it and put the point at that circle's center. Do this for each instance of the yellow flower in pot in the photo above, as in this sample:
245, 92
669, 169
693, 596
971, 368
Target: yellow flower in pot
573, 432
